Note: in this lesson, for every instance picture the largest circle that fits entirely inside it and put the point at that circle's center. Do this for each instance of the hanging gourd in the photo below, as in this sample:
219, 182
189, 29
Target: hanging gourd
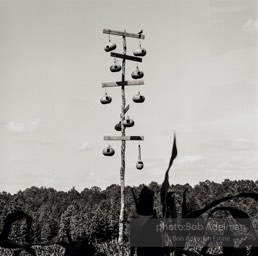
116, 67
110, 46
137, 74
140, 51
139, 164
108, 151
128, 122
106, 99
118, 127
138, 98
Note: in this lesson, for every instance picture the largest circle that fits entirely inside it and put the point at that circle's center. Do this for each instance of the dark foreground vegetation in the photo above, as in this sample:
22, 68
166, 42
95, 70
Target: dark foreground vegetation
94, 212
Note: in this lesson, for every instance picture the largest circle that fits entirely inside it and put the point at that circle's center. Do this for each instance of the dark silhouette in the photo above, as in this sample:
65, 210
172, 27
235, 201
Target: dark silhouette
80, 247
165, 185
144, 233
5, 242
144, 204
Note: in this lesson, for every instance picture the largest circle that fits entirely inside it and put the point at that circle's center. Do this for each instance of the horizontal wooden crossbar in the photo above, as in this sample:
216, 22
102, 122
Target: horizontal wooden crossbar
120, 33
124, 56
123, 138
115, 84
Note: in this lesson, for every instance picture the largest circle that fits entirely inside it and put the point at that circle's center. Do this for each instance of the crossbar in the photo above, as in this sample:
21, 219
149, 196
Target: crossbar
123, 138
126, 34
121, 83
124, 56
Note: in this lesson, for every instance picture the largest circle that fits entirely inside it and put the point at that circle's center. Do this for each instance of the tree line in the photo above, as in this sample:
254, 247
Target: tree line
94, 212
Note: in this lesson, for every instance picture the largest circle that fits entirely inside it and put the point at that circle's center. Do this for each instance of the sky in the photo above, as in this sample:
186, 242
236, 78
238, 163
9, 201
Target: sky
200, 82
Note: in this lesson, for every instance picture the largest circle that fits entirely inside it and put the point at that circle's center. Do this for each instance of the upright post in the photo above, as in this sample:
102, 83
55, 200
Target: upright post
123, 138
122, 170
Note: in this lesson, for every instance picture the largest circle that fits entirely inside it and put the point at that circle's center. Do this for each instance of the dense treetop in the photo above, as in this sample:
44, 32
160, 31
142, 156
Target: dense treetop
95, 212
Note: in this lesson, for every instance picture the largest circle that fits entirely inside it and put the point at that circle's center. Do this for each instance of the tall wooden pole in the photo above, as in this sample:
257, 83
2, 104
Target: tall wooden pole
123, 138
122, 170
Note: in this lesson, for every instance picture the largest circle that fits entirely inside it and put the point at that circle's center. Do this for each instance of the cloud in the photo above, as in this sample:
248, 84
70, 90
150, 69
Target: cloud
15, 127
251, 25
239, 163
242, 140
21, 127
190, 159
85, 146
242, 144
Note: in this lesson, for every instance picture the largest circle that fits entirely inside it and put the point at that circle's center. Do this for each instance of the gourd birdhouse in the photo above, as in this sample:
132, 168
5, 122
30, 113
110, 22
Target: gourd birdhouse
110, 47
105, 99
108, 151
128, 122
139, 164
139, 52
138, 98
118, 127
116, 67
137, 74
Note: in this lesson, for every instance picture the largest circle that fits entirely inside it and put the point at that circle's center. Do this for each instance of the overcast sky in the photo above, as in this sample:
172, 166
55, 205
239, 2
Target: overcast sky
200, 75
